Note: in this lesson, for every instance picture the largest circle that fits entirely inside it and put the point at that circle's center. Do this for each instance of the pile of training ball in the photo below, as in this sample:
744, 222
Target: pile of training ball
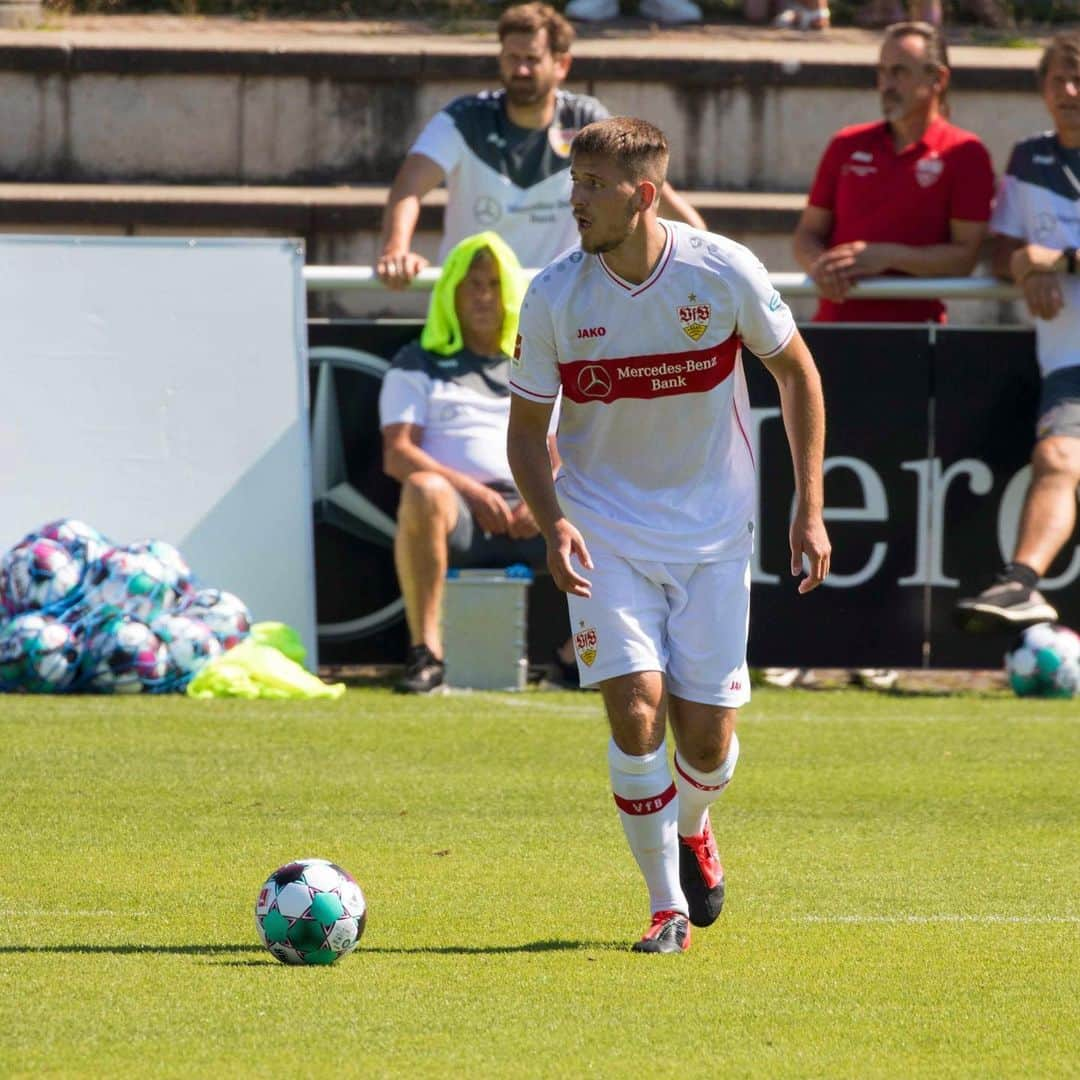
79, 614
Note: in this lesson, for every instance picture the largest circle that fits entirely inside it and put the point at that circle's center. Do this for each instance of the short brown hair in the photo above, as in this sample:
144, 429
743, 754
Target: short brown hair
1066, 45
638, 148
531, 19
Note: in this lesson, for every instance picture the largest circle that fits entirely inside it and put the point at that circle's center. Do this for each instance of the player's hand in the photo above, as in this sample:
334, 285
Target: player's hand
1043, 294
397, 269
1033, 259
522, 523
809, 539
488, 507
565, 541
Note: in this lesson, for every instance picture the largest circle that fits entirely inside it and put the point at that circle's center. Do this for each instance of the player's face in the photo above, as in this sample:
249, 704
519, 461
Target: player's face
603, 202
478, 298
1061, 92
530, 71
908, 87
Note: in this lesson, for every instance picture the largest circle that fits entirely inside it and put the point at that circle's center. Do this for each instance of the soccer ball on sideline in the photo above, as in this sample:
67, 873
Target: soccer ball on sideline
1045, 662
310, 912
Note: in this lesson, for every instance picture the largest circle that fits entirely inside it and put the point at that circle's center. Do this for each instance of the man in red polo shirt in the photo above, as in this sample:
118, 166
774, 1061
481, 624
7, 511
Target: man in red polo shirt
908, 195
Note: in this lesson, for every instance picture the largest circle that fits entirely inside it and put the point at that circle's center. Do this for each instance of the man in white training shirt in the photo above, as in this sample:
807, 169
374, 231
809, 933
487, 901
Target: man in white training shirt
503, 155
649, 525
1036, 231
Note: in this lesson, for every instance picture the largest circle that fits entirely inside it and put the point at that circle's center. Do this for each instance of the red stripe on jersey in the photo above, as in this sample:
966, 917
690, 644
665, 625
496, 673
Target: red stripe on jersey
690, 780
638, 807
535, 393
662, 375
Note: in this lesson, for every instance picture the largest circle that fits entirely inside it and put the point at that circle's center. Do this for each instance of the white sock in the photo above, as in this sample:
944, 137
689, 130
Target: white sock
699, 790
648, 807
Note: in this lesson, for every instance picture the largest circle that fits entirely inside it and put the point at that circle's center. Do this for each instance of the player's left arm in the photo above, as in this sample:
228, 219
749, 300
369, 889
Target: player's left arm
675, 207
803, 408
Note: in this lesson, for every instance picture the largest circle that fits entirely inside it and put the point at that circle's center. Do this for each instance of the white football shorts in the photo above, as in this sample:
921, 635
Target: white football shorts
688, 620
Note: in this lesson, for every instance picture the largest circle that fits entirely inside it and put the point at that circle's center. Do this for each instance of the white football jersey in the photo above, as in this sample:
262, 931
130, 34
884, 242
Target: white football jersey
499, 176
1037, 203
653, 435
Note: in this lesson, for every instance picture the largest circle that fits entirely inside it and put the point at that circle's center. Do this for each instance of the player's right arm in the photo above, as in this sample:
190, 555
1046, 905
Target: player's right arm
530, 463
398, 264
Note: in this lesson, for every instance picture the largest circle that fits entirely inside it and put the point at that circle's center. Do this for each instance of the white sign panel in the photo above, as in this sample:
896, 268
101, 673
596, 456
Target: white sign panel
158, 388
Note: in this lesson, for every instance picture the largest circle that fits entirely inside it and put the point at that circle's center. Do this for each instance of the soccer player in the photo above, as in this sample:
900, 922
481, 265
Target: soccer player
1036, 234
649, 526
503, 155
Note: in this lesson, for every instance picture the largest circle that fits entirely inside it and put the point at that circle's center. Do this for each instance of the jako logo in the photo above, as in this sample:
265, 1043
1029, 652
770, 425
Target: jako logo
591, 331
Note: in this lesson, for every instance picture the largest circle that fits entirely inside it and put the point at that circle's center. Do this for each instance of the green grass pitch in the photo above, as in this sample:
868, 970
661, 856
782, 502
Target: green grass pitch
903, 882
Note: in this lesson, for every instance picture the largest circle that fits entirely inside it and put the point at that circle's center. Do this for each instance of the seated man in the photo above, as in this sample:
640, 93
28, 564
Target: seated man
444, 408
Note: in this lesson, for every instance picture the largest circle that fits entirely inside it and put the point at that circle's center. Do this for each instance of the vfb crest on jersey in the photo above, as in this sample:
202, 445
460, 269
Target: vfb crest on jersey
694, 318
585, 643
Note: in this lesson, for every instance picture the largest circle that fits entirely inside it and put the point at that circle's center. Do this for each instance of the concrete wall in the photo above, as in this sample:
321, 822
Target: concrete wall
244, 116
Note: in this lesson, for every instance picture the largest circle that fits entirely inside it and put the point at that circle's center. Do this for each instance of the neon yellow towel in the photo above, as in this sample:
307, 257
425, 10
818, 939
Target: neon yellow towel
251, 670
282, 636
442, 331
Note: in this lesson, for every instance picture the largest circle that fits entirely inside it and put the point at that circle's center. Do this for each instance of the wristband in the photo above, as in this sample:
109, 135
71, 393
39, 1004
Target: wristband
1070, 260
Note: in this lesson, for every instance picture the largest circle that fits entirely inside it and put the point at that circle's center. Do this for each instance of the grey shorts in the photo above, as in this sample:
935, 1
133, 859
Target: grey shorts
470, 546
1059, 404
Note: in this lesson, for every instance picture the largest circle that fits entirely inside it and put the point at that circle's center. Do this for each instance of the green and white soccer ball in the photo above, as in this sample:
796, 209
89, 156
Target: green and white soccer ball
1045, 662
310, 912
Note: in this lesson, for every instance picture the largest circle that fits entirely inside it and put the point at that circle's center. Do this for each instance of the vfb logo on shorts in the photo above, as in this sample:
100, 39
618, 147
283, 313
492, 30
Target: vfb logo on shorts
585, 643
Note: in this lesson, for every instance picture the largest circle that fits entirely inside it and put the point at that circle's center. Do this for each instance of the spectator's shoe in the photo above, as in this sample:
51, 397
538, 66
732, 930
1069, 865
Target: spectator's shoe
670, 11
701, 876
592, 10
797, 17
668, 932
1005, 605
786, 677
875, 678
424, 674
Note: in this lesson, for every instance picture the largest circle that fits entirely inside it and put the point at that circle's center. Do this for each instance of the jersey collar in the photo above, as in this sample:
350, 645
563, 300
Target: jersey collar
637, 288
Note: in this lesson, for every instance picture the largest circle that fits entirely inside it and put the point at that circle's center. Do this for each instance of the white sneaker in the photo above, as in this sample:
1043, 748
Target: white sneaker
875, 678
670, 11
592, 10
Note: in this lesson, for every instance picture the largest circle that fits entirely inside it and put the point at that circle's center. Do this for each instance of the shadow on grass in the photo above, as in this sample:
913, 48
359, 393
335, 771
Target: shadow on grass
133, 950
212, 951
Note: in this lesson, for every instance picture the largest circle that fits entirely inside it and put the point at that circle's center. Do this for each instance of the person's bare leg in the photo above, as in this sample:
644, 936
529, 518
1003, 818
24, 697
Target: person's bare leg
427, 514
1049, 514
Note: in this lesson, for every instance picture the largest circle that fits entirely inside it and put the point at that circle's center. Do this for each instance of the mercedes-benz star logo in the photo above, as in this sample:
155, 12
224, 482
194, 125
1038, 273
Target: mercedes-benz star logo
336, 501
487, 210
594, 382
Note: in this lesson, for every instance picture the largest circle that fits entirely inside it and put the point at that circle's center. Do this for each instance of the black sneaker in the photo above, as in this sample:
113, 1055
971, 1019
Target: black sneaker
423, 672
1006, 605
701, 877
669, 932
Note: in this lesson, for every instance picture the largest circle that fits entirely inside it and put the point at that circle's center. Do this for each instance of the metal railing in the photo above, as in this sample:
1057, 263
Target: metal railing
330, 278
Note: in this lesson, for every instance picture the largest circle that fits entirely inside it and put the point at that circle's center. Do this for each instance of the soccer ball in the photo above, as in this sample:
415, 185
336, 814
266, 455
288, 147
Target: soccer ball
39, 575
132, 583
227, 615
81, 540
190, 643
122, 656
1045, 662
38, 654
310, 912
176, 567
